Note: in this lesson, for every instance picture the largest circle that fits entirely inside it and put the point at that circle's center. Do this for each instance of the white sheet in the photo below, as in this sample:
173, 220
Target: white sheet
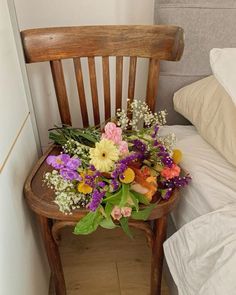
213, 182
202, 254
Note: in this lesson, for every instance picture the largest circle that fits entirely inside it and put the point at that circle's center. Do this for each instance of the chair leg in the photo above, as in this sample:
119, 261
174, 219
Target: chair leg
53, 255
160, 227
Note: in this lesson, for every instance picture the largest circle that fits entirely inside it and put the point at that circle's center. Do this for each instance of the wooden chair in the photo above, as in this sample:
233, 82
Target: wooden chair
55, 44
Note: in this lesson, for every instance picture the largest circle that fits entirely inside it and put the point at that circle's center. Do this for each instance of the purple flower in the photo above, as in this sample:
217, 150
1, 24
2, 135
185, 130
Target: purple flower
164, 156
96, 200
166, 194
155, 131
91, 179
92, 167
120, 168
115, 184
155, 143
69, 174
139, 145
58, 162
130, 158
177, 182
73, 163
97, 173
101, 184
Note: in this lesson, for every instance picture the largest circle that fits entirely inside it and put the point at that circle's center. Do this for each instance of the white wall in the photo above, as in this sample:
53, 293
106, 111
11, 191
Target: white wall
34, 13
44, 13
23, 267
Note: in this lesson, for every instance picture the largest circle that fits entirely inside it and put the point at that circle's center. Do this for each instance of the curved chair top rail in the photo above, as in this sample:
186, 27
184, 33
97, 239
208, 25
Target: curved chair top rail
153, 41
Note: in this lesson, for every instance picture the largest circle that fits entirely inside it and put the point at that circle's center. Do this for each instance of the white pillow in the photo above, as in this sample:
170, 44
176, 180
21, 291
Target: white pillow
210, 109
223, 65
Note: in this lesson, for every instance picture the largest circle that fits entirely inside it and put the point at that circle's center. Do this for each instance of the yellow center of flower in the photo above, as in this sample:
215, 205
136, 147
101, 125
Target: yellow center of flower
129, 176
84, 188
59, 161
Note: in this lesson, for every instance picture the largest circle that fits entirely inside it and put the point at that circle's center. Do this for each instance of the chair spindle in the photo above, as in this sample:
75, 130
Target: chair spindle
119, 72
106, 86
152, 84
81, 92
94, 90
60, 89
132, 76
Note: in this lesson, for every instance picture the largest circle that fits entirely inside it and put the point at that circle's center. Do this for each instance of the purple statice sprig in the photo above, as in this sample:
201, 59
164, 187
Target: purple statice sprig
139, 145
119, 170
162, 152
98, 184
176, 182
96, 199
91, 180
166, 193
167, 186
141, 148
155, 131
115, 184
121, 166
165, 157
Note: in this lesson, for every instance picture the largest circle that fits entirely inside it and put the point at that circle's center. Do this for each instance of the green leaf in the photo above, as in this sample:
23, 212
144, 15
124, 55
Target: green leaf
108, 223
101, 209
108, 209
108, 194
141, 198
88, 137
89, 223
125, 194
143, 214
112, 196
125, 226
135, 201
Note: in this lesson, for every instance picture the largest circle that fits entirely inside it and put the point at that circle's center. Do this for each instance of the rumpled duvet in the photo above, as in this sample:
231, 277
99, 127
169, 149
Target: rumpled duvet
202, 255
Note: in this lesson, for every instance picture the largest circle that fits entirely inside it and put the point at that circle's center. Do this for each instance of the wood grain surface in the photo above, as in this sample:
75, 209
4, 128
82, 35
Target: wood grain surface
156, 41
106, 262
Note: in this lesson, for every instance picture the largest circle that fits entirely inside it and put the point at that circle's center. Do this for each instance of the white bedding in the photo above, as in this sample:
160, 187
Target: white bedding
213, 182
202, 254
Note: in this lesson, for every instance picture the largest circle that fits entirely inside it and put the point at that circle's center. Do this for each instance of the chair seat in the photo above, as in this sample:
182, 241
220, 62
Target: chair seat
41, 198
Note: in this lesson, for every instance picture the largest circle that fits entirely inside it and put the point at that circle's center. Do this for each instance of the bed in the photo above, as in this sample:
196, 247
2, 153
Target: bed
201, 247
211, 175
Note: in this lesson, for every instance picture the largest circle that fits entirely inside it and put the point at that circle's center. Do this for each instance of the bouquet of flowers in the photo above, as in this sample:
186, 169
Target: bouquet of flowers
115, 173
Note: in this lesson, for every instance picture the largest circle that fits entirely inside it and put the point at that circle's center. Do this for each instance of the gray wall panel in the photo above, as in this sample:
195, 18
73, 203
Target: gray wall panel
167, 86
207, 24
204, 29
197, 3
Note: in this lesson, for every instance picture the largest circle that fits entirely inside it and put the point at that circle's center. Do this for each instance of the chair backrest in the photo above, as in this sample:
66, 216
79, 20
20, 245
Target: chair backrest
55, 44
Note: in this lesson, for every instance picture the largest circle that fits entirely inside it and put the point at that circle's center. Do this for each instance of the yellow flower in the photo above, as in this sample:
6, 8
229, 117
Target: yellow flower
104, 155
129, 176
84, 188
177, 156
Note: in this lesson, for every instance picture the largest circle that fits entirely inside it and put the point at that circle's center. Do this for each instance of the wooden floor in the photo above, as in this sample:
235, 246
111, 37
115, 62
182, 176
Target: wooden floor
106, 262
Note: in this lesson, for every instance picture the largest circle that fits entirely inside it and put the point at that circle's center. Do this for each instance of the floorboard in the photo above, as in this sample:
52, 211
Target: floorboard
106, 262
